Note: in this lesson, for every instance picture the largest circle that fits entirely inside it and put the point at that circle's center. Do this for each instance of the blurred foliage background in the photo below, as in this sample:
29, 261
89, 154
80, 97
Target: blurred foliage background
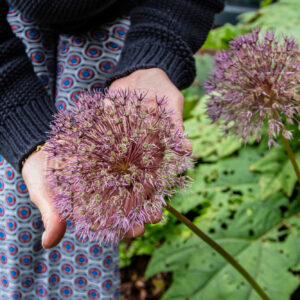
244, 196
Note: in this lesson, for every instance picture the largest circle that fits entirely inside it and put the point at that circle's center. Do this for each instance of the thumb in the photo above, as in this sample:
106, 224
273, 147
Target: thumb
33, 173
54, 227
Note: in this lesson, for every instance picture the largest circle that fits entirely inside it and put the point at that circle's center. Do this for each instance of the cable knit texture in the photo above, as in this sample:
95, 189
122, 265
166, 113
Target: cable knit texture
163, 34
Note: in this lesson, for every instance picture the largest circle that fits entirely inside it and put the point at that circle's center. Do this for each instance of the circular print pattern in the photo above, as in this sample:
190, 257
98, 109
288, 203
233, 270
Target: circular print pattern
95, 273
100, 35
25, 19
12, 249
81, 259
27, 282
1, 160
2, 235
66, 65
37, 57
10, 199
86, 74
78, 41
106, 66
120, 32
24, 212
41, 291
67, 82
32, 34
61, 105
15, 295
54, 256
64, 48
25, 237
74, 60
66, 291
80, 282
37, 223
93, 294
3, 258
9, 173
21, 187
26, 260
53, 280
2, 210
95, 250
93, 52
113, 46
14, 273
1, 185
4, 281
40, 268
98, 86
67, 269
68, 246
106, 285
11, 224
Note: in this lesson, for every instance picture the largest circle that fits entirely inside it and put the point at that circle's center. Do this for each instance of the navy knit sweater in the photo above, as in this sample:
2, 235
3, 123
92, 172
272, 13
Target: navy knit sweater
163, 34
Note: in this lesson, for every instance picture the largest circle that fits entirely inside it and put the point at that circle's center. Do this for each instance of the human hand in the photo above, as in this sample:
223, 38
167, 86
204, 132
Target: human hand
34, 175
154, 82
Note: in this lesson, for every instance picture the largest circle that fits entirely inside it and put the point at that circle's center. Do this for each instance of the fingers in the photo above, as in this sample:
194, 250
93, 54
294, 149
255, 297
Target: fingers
54, 227
155, 217
138, 230
175, 105
135, 231
33, 174
54, 231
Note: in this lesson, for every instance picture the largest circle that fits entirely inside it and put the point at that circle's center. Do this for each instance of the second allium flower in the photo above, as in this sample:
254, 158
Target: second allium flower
118, 162
256, 80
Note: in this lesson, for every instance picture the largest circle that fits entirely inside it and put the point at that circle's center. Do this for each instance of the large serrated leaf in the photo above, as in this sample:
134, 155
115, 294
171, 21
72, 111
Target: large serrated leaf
277, 172
207, 139
253, 236
192, 94
270, 18
227, 180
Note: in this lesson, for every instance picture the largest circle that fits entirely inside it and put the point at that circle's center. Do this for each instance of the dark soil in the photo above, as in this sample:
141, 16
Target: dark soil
134, 285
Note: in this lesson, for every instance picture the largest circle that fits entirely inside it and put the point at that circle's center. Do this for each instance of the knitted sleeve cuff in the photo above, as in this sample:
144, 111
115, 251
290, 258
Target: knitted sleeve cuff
24, 129
154, 47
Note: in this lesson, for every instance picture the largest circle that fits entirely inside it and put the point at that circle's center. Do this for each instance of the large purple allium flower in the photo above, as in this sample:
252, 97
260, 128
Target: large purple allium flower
256, 80
118, 162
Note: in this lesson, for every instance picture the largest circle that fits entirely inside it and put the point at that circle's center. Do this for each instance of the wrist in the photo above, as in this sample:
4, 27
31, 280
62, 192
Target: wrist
37, 149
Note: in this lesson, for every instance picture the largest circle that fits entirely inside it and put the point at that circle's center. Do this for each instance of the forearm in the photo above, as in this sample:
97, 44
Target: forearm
25, 108
165, 34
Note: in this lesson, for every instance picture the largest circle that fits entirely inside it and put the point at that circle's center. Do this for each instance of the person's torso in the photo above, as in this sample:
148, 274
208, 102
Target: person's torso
71, 15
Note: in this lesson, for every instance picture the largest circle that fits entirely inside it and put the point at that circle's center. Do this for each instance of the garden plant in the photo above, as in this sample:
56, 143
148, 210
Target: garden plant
243, 200
245, 197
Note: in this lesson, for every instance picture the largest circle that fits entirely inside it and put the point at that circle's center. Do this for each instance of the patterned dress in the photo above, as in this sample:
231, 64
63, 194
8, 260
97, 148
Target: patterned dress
76, 268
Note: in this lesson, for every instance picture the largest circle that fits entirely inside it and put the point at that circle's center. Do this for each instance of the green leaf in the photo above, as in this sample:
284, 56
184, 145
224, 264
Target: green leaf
253, 236
204, 64
219, 38
277, 172
208, 141
227, 180
270, 18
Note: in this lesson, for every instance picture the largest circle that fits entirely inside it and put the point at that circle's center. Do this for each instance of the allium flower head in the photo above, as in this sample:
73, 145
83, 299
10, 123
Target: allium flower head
257, 79
119, 162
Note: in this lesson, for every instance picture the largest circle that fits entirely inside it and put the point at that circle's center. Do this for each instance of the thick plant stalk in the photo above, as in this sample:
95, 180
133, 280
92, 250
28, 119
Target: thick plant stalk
291, 155
220, 250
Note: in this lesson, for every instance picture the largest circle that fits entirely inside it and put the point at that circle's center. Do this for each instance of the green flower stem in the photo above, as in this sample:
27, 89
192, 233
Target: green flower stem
291, 155
219, 249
